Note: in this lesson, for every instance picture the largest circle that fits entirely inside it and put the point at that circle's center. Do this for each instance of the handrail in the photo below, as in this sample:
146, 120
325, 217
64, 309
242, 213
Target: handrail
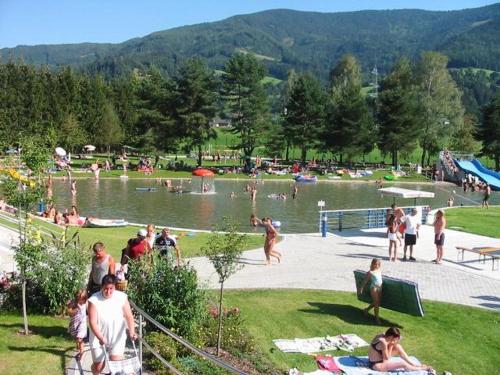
364, 218
187, 344
364, 209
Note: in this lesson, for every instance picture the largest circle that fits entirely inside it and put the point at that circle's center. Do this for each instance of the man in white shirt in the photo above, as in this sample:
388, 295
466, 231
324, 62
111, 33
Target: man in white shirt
412, 224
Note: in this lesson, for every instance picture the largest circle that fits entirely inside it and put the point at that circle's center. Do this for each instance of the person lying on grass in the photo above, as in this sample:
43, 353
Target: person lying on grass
384, 346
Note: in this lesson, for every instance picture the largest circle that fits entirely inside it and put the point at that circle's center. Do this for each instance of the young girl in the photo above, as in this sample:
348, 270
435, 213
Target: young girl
375, 278
392, 235
77, 310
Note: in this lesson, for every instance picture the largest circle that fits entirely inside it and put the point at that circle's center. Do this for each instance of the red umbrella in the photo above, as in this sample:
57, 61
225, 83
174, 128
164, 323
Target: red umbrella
200, 172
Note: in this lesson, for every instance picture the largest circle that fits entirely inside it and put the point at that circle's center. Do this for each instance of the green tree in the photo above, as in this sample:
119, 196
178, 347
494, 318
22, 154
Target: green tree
71, 135
464, 137
224, 248
109, 132
398, 112
195, 104
245, 96
305, 115
489, 131
155, 125
349, 128
441, 109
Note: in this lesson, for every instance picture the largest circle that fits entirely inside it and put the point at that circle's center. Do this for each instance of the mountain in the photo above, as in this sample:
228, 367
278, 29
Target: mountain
285, 39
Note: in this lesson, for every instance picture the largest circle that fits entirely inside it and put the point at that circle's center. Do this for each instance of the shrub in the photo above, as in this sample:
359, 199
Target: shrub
166, 347
169, 294
235, 337
54, 270
199, 366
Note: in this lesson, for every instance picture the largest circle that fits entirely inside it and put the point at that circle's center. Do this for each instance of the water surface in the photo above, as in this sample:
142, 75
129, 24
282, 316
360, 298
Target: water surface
111, 198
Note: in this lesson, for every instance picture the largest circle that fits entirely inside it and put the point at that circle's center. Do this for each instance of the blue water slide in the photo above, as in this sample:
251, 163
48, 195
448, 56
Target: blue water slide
483, 169
470, 167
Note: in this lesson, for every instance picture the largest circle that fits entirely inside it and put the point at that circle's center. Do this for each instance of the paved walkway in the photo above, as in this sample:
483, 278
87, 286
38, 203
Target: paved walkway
313, 262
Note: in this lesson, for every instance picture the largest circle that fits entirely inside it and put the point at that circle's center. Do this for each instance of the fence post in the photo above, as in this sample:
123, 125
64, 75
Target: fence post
324, 225
340, 221
140, 340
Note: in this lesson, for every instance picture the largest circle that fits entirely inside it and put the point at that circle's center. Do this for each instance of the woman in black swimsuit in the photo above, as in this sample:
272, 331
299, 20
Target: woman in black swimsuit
383, 347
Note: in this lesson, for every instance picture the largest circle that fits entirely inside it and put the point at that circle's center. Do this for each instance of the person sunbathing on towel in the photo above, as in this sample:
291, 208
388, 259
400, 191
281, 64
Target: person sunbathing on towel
384, 346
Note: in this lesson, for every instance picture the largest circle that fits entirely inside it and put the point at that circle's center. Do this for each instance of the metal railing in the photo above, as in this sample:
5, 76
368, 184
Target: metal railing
364, 218
142, 342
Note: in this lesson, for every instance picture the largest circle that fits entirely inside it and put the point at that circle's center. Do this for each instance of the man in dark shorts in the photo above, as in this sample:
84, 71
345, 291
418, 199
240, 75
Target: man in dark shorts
487, 194
412, 225
165, 242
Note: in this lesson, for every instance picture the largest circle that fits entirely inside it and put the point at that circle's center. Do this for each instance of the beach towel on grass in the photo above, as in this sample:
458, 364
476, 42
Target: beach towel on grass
347, 342
356, 365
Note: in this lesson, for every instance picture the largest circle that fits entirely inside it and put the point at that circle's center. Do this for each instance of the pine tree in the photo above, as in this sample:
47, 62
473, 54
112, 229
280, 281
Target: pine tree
305, 115
246, 99
349, 128
195, 104
397, 115
489, 131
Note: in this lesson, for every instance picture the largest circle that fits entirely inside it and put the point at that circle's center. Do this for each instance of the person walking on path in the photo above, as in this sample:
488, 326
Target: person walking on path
384, 346
487, 194
269, 242
136, 247
102, 264
77, 310
375, 278
439, 227
412, 225
165, 242
109, 317
392, 235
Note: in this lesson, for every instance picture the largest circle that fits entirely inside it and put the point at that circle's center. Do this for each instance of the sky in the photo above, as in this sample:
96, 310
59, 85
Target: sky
30, 22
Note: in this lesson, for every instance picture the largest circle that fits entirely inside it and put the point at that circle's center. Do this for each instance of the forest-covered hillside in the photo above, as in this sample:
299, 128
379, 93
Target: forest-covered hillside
285, 39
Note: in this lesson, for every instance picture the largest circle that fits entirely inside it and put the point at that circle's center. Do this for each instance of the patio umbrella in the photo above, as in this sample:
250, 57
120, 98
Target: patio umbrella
60, 151
89, 148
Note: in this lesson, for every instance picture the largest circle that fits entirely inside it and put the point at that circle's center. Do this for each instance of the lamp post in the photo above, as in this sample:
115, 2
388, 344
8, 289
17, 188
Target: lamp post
323, 219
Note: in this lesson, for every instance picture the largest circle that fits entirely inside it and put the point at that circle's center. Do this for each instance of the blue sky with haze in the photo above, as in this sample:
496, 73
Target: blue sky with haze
32, 22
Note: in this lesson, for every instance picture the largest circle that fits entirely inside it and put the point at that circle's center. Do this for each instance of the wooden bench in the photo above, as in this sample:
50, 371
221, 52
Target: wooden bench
493, 252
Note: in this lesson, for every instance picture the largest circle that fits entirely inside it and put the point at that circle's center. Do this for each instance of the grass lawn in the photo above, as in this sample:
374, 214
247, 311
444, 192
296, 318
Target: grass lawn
475, 220
459, 339
47, 351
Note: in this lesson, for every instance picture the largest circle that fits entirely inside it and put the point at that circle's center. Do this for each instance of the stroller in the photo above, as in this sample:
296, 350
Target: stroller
129, 366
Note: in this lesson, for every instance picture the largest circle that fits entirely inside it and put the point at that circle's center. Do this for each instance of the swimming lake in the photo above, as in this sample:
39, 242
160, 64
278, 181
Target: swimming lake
116, 199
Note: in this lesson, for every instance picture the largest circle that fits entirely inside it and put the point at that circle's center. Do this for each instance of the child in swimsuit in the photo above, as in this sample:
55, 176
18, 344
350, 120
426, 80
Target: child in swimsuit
375, 278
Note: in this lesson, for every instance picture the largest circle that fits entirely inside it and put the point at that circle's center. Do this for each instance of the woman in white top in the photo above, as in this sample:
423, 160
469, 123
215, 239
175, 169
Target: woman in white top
109, 317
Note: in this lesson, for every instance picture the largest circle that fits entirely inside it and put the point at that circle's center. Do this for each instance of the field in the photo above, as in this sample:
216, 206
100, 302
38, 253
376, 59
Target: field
481, 221
459, 339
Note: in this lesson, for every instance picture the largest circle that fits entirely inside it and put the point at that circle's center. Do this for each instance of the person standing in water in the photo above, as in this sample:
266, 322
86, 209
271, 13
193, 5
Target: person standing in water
295, 190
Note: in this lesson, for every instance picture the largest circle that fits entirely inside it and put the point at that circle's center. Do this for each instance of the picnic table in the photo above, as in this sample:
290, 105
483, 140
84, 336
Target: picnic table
492, 252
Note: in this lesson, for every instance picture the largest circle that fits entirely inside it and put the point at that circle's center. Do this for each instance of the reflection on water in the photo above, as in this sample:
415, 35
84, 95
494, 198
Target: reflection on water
118, 199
